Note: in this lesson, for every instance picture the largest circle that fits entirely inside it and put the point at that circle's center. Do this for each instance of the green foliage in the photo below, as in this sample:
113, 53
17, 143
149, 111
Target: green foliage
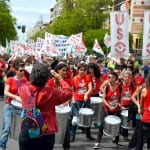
90, 36
7, 22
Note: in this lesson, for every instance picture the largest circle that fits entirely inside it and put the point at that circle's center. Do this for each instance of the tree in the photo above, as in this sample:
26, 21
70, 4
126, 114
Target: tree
81, 16
7, 23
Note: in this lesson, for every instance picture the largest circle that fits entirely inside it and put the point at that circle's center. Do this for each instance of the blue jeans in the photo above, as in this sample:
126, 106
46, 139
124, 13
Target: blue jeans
75, 112
7, 113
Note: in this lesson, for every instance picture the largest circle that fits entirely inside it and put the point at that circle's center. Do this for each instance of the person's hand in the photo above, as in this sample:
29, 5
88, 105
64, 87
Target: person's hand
56, 75
123, 108
17, 98
85, 97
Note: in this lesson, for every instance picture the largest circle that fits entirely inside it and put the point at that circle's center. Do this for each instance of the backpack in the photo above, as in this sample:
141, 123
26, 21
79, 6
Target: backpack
32, 118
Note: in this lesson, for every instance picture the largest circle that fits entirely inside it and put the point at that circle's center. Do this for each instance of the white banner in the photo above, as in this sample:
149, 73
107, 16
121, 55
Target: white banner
119, 34
49, 46
146, 36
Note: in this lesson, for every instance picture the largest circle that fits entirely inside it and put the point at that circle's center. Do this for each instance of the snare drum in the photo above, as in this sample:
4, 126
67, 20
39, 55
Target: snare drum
85, 117
124, 120
62, 115
96, 104
16, 104
112, 125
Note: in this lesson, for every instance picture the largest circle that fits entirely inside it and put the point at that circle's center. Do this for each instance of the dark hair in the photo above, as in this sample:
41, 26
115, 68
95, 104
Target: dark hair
19, 63
95, 69
60, 66
39, 75
82, 65
114, 74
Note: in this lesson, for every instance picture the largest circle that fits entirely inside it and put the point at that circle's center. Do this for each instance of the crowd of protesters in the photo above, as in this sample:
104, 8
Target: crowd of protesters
123, 86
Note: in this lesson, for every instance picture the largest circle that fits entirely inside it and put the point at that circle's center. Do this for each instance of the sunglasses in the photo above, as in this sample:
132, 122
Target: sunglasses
82, 69
21, 70
109, 77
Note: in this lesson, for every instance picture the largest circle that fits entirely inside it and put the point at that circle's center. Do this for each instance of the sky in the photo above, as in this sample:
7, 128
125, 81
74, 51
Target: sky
28, 12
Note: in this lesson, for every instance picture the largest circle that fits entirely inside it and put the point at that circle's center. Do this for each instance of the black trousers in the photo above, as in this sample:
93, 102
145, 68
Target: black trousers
1, 86
45, 142
66, 143
143, 136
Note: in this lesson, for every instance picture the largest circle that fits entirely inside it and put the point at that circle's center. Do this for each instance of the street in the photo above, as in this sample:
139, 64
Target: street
80, 143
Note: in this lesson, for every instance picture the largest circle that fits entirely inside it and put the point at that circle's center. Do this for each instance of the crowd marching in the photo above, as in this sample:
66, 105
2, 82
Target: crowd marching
120, 86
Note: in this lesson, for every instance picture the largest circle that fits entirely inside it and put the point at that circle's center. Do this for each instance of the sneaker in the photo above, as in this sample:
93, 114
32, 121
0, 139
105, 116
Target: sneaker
96, 146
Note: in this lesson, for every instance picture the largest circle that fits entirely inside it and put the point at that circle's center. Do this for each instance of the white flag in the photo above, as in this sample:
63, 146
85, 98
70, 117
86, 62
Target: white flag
97, 48
146, 36
107, 40
75, 39
124, 6
119, 34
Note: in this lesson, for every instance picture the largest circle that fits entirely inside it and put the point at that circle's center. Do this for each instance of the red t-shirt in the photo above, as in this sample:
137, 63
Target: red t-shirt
95, 85
126, 93
14, 85
146, 114
80, 85
113, 99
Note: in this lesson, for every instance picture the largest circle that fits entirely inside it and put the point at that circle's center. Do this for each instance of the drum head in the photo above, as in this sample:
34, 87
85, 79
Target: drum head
62, 109
16, 103
112, 119
95, 100
124, 113
86, 111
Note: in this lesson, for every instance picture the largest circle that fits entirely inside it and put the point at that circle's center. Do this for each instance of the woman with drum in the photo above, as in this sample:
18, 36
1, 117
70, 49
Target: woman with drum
61, 69
111, 105
94, 72
82, 88
127, 89
11, 92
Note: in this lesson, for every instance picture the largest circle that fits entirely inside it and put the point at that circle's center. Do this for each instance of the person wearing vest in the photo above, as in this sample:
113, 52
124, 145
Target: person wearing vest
127, 89
111, 105
144, 110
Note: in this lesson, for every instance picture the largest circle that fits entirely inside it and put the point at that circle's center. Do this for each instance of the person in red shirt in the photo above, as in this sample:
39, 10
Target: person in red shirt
111, 104
61, 69
82, 88
11, 92
144, 110
94, 72
47, 99
127, 89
